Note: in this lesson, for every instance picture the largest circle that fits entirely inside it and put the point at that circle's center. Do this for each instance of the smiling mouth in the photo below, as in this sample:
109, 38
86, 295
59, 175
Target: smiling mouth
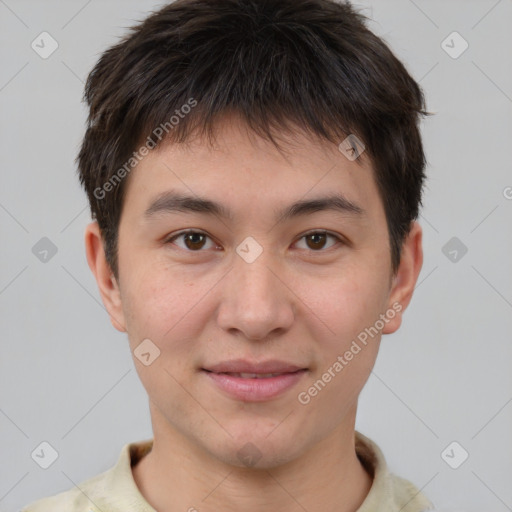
254, 387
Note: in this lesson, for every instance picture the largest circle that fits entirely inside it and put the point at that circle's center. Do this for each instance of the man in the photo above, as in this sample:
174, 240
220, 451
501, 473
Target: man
254, 170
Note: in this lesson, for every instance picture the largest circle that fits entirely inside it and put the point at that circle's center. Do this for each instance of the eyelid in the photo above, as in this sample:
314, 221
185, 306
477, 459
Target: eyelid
321, 232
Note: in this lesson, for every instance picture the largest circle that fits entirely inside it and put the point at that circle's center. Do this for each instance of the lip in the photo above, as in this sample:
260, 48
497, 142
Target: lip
250, 389
244, 366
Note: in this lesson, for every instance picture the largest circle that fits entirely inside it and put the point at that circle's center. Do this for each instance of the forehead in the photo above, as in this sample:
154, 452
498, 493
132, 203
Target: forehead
242, 167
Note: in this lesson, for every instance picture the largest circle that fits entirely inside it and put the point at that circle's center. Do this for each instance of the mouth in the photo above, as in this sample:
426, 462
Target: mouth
255, 386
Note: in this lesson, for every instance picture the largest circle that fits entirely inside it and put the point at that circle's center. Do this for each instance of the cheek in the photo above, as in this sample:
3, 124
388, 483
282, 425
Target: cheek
165, 305
346, 344
349, 304
166, 309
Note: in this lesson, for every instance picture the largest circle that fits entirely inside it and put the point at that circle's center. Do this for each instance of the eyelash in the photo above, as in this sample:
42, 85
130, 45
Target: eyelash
319, 232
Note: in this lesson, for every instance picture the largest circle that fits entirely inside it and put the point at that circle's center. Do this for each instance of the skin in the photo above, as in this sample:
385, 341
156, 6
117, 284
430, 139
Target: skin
302, 301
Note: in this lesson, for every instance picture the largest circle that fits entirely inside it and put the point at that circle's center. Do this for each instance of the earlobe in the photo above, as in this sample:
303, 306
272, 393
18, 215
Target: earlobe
107, 284
404, 282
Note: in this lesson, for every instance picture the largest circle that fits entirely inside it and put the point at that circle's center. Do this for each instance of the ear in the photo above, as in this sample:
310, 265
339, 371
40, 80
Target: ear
105, 279
404, 282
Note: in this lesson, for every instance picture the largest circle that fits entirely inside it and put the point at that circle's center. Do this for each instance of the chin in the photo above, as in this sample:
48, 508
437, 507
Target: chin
257, 451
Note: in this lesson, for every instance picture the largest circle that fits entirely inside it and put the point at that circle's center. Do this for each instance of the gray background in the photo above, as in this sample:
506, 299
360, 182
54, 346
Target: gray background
67, 376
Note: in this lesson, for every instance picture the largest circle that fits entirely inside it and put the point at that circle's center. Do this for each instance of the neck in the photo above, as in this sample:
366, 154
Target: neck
177, 475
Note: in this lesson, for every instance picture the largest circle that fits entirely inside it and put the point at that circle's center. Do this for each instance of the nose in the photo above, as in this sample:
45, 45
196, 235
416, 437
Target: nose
257, 302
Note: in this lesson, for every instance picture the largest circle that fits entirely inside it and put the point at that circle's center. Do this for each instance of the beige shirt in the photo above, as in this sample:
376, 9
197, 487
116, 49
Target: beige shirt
115, 489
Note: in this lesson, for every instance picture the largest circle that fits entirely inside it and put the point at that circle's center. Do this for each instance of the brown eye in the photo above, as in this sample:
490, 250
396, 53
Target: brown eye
193, 241
316, 241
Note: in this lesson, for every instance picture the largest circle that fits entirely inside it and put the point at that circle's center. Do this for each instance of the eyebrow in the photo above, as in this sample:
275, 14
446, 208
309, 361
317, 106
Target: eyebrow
172, 202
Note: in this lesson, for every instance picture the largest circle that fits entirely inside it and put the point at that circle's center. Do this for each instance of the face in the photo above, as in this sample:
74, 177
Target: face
238, 281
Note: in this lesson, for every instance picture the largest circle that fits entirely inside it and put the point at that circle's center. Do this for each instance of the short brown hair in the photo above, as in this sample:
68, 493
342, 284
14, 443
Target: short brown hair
311, 63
